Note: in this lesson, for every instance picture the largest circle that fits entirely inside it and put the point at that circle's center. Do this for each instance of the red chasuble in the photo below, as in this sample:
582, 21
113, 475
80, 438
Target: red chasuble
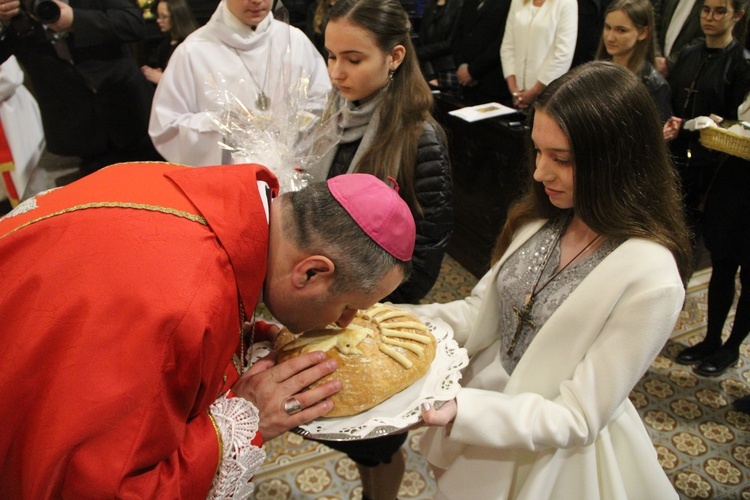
119, 317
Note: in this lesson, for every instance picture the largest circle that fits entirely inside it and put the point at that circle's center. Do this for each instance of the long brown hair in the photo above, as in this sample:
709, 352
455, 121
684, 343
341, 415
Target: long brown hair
181, 18
625, 183
739, 32
641, 14
320, 17
406, 103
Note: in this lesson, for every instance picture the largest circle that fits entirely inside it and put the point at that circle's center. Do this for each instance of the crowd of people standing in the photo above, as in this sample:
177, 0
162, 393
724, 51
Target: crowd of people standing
620, 195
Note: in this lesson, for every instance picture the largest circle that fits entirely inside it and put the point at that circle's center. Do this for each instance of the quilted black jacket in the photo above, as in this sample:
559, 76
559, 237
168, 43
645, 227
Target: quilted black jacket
433, 188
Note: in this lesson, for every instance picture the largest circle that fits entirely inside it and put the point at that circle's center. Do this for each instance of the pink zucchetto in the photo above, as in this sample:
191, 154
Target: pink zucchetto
378, 210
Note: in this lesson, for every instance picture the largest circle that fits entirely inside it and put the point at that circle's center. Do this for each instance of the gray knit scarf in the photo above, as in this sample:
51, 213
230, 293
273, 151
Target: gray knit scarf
355, 123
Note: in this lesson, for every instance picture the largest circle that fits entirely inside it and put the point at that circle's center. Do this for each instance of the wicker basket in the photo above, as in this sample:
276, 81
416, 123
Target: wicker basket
725, 141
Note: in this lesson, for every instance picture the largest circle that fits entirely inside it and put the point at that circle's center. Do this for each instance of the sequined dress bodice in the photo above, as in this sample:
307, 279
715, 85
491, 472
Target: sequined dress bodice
516, 279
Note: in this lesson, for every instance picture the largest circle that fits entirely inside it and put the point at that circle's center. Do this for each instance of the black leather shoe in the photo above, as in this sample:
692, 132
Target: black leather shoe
717, 363
742, 404
697, 353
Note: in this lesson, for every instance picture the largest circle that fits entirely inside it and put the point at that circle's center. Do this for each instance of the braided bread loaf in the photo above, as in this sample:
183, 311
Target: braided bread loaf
382, 352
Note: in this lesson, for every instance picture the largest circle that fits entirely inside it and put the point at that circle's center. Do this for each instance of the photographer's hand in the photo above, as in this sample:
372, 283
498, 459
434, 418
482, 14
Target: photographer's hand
65, 23
9, 9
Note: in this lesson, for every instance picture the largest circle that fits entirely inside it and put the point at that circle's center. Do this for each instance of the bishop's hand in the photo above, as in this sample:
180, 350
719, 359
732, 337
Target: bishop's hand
277, 390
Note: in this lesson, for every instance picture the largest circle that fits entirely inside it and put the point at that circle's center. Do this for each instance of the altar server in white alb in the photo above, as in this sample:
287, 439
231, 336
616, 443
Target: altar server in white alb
244, 50
587, 284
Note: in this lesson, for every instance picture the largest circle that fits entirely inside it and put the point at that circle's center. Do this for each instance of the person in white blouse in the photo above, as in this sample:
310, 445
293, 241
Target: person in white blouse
587, 284
538, 45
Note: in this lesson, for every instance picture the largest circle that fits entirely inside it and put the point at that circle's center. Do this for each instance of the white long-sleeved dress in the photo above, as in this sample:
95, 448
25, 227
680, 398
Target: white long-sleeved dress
561, 426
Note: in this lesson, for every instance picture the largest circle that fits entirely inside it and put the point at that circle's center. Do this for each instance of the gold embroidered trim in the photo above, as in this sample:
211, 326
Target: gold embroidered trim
219, 439
114, 204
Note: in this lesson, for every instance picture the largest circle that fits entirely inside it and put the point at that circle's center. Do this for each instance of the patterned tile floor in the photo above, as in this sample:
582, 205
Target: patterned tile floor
702, 442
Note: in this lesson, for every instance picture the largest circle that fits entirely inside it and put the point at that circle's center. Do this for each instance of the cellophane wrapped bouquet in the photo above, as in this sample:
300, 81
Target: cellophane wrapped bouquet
288, 132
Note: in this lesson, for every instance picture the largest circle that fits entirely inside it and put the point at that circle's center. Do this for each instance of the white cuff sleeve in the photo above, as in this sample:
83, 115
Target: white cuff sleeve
237, 421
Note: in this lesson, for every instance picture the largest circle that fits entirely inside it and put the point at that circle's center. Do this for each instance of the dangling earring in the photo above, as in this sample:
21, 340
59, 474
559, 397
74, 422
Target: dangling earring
390, 77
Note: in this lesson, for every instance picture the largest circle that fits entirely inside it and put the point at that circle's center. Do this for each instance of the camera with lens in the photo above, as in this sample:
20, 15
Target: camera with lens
45, 11
34, 13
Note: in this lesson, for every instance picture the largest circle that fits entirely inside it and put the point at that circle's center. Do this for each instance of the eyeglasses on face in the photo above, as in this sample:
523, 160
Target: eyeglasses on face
718, 13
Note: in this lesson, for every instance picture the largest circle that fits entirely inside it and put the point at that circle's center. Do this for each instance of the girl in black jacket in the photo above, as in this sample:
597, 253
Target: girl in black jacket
709, 78
387, 130
714, 77
628, 39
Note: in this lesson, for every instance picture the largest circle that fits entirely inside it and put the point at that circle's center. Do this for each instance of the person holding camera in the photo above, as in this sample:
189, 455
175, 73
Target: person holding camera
94, 100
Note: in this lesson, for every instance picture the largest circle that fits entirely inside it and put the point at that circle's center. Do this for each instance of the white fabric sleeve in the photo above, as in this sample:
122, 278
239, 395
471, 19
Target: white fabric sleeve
629, 340
461, 315
560, 55
11, 77
508, 44
743, 111
180, 127
237, 420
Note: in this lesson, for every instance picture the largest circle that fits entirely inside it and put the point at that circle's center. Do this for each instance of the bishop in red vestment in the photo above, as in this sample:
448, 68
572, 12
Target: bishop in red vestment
120, 313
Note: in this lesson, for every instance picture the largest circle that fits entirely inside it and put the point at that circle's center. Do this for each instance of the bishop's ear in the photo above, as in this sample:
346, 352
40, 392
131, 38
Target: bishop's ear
313, 270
